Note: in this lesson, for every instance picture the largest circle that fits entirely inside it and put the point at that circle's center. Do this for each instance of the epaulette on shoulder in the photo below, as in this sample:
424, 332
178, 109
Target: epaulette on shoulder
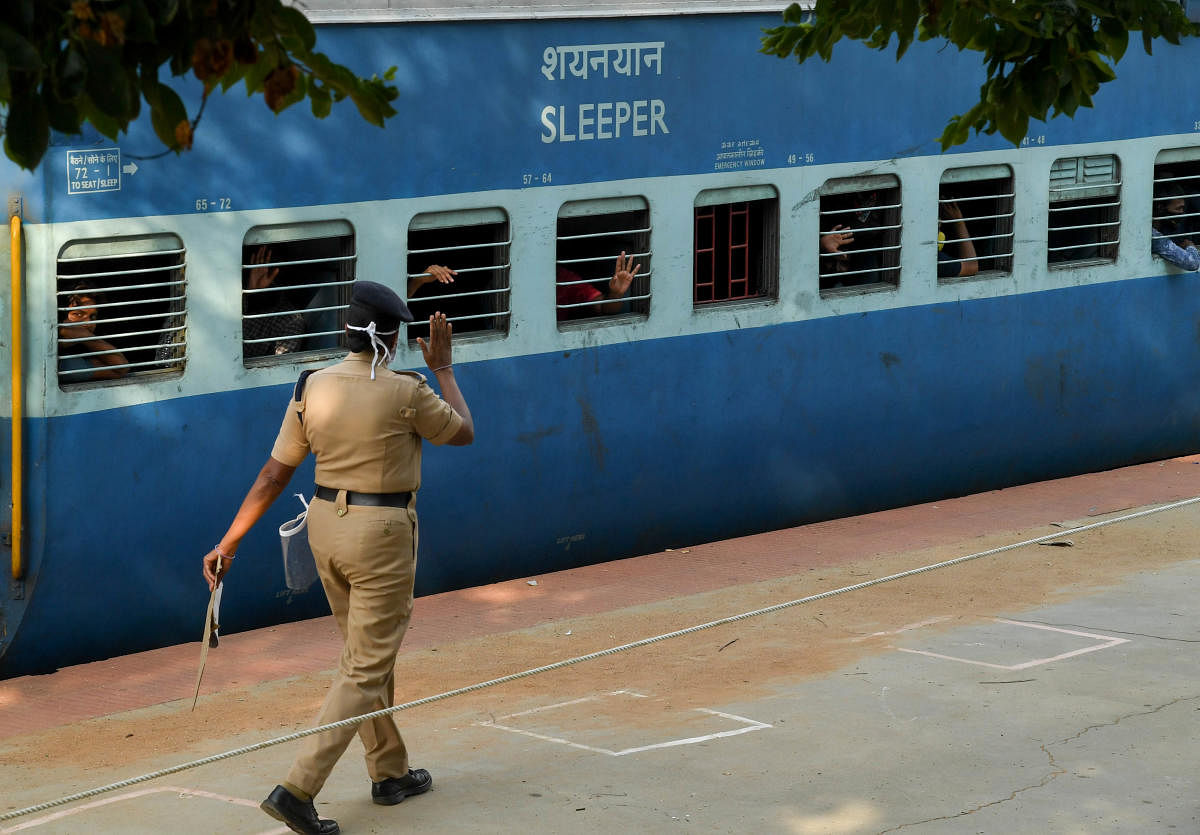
416, 375
298, 392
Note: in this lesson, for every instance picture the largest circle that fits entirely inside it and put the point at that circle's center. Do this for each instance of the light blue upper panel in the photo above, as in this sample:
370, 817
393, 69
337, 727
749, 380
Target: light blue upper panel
501, 104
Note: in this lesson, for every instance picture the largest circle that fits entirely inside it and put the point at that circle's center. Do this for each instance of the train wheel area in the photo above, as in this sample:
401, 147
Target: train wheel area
1049, 688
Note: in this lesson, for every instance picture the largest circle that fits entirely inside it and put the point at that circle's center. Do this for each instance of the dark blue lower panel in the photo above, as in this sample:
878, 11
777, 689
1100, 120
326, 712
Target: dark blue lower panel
605, 453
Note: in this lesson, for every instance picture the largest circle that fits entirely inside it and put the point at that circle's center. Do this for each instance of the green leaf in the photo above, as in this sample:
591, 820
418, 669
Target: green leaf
21, 55
1013, 123
26, 131
108, 83
166, 111
63, 116
167, 9
139, 25
322, 102
99, 119
70, 73
1116, 38
298, 93
291, 21
256, 73
236, 72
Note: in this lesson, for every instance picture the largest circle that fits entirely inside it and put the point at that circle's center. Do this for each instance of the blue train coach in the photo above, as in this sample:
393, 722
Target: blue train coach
829, 317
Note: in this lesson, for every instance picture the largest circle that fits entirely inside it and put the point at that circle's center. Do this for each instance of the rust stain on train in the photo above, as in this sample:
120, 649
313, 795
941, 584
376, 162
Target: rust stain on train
591, 428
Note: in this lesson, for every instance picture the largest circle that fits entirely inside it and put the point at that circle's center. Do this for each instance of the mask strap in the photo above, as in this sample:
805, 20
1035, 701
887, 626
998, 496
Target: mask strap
377, 344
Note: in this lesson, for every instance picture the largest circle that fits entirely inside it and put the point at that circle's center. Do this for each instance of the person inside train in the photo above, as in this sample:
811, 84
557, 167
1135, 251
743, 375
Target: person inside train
79, 347
283, 330
851, 249
434, 272
568, 292
956, 250
1167, 239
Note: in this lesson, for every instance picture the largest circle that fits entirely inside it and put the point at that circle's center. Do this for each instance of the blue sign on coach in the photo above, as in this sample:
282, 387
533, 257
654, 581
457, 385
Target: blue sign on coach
91, 171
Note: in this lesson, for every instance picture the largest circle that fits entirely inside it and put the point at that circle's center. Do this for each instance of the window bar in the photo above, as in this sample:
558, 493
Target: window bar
705, 217
864, 272
965, 198
466, 270
573, 305
599, 258
246, 291
158, 332
141, 271
465, 317
1111, 205
1085, 226
159, 300
438, 249
154, 253
739, 253
593, 280
171, 361
462, 295
615, 233
329, 260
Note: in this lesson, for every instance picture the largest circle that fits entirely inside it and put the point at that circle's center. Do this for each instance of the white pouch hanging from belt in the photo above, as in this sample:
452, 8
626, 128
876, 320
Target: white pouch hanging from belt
299, 567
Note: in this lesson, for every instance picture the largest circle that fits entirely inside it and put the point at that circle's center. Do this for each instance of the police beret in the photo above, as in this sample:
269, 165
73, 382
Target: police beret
383, 300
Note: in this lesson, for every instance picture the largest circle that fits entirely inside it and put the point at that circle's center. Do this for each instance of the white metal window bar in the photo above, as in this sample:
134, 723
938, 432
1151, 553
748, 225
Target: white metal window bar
890, 231
1087, 189
1188, 186
479, 300
992, 208
302, 310
130, 296
615, 225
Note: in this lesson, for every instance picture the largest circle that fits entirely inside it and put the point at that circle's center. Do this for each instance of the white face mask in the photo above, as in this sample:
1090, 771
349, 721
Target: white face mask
377, 345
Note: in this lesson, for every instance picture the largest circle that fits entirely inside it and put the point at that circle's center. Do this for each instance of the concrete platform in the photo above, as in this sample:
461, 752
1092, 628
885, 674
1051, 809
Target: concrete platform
1051, 688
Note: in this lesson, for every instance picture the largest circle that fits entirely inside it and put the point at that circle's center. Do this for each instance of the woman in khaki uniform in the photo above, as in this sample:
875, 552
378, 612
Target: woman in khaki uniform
365, 425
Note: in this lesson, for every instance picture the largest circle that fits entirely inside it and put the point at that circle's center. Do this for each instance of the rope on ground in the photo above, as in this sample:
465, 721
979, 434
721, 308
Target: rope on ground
557, 665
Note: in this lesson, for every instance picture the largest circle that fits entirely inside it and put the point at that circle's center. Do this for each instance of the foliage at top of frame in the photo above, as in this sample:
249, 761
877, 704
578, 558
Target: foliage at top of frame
67, 62
1039, 56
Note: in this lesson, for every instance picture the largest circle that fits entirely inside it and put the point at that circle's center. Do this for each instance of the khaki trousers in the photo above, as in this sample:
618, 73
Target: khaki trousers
366, 557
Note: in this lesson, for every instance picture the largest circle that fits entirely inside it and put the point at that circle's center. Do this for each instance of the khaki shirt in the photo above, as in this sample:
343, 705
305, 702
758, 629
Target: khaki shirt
366, 434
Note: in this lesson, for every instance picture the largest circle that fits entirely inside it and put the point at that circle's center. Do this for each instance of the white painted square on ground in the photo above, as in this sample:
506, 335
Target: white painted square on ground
149, 810
1005, 644
623, 722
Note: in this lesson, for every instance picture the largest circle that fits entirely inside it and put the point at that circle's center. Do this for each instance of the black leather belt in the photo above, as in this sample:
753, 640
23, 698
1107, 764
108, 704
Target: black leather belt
366, 499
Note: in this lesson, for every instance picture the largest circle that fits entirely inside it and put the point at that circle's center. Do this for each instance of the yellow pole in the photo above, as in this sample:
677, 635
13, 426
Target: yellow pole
18, 386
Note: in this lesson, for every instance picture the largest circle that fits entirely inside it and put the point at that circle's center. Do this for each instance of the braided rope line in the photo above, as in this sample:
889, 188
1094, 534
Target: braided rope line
557, 665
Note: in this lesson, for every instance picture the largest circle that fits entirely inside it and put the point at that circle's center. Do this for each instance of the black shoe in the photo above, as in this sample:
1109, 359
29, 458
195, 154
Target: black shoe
391, 791
299, 816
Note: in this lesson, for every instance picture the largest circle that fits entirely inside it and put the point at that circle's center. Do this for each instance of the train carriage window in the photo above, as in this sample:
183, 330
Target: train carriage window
859, 236
591, 282
735, 245
121, 309
1084, 220
1176, 207
295, 289
975, 223
475, 244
